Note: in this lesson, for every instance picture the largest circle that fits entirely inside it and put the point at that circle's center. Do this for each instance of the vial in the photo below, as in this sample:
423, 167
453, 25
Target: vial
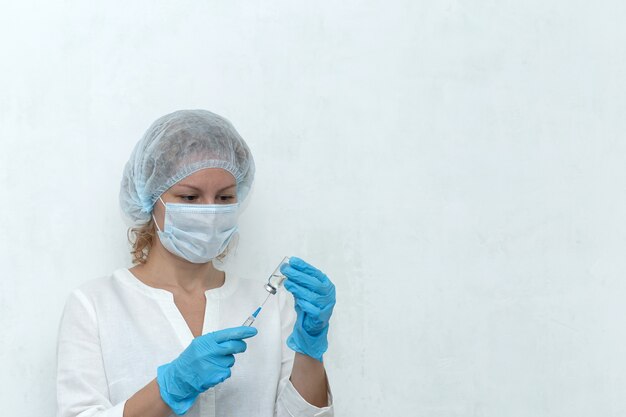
277, 278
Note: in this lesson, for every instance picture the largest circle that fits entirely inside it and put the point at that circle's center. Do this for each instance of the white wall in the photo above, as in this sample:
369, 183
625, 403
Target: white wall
457, 168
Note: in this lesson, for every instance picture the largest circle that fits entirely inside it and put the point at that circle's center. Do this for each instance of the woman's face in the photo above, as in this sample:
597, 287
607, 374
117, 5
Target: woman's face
207, 186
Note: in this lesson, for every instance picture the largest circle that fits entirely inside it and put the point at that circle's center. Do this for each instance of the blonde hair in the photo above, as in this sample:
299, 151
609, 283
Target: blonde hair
141, 239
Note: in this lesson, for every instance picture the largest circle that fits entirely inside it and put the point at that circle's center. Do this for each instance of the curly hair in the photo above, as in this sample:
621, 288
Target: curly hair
141, 239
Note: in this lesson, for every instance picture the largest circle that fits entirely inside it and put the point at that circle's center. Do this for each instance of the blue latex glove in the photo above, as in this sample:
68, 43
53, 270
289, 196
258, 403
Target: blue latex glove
205, 363
314, 296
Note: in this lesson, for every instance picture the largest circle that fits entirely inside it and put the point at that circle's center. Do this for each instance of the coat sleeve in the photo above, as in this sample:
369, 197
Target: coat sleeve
289, 402
82, 387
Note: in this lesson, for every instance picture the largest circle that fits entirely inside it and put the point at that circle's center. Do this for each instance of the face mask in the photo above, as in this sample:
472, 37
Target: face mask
198, 232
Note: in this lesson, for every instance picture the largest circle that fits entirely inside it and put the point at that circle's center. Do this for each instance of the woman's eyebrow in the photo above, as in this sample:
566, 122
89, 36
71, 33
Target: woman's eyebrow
227, 187
198, 189
188, 186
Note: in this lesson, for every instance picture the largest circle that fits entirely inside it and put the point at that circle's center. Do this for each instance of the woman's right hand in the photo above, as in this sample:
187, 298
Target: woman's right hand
205, 363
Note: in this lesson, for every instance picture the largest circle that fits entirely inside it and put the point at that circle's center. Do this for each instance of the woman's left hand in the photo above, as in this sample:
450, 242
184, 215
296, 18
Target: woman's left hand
314, 296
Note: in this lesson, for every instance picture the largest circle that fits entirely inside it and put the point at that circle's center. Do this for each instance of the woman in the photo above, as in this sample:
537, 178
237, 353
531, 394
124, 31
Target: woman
164, 336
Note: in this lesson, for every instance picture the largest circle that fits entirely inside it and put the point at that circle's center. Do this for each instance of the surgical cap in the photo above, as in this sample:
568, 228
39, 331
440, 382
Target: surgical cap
175, 146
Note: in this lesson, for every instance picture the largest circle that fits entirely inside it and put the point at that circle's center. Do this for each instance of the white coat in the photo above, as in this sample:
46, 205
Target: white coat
115, 332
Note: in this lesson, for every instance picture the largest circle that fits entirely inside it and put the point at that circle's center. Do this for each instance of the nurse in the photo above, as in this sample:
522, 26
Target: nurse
164, 336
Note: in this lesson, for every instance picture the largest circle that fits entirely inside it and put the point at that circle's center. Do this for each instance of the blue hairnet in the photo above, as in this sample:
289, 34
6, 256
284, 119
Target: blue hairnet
175, 146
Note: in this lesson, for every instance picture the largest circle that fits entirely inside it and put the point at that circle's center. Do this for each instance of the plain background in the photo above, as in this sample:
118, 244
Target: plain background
456, 167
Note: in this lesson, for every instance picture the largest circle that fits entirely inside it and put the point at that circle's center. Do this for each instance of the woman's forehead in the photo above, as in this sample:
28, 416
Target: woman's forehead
208, 178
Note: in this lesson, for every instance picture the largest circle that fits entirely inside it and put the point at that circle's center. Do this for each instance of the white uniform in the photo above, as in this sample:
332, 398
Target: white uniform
115, 332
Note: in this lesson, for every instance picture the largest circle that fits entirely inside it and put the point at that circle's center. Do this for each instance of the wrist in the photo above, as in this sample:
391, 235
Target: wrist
179, 399
313, 346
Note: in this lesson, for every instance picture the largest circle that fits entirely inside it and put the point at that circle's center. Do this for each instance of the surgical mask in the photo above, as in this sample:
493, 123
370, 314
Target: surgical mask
198, 232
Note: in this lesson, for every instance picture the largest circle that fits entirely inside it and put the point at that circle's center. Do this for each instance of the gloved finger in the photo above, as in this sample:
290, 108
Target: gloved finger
305, 280
234, 333
314, 326
307, 268
231, 346
327, 311
319, 298
219, 377
301, 292
312, 311
227, 361
308, 308
220, 360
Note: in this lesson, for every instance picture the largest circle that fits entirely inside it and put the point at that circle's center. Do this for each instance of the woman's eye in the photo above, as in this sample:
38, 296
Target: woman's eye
226, 197
189, 197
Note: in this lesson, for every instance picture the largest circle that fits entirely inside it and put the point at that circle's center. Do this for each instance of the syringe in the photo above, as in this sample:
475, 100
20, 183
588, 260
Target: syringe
252, 317
274, 282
